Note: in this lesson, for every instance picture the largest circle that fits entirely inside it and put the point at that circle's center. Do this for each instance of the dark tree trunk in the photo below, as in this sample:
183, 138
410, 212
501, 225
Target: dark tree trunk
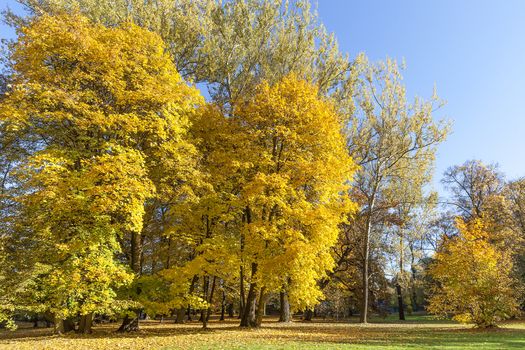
246, 217
242, 296
210, 299
415, 306
308, 315
86, 321
168, 256
204, 319
69, 325
248, 314
285, 315
400, 302
261, 306
194, 281
49, 317
223, 306
130, 323
181, 312
64, 326
205, 286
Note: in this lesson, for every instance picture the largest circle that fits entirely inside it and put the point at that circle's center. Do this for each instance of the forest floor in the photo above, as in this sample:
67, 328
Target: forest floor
418, 332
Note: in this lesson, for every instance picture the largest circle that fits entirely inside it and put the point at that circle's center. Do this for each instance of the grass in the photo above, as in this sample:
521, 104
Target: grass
418, 332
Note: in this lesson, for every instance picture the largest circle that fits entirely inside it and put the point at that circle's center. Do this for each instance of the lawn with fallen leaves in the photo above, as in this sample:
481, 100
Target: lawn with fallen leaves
415, 333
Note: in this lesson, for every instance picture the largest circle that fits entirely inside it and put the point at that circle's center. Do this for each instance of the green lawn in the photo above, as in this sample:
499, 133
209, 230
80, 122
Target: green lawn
418, 332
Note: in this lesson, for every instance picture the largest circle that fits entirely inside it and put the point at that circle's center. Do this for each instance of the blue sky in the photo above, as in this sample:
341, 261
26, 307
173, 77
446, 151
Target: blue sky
472, 50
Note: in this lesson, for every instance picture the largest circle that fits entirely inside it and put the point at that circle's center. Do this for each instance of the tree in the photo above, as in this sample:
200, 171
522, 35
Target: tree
228, 47
389, 138
295, 171
473, 277
515, 194
472, 185
102, 114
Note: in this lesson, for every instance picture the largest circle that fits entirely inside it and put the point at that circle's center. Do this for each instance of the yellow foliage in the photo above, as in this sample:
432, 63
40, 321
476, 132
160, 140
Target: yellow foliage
103, 115
293, 190
473, 277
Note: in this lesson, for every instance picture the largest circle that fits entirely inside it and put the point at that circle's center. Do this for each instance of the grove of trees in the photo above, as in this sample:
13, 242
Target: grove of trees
180, 158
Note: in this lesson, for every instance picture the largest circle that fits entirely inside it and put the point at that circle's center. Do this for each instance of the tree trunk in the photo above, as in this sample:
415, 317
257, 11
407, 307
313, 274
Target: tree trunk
131, 324
366, 257
230, 310
223, 306
400, 302
86, 321
49, 318
261, 306
415, 306
308, 315
181, 312
210, 299
204, 319
285, 315
194, 281
64, 326
59, 326
168, 256
242, 295
205, 286
248, 314
364, 301
189, 313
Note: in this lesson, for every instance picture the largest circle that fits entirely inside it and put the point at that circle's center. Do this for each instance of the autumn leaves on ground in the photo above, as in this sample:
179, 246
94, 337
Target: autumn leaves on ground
166, 164
415, 333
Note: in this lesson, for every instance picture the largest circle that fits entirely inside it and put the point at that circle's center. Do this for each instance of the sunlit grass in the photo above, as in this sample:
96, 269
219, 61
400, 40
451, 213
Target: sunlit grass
416, 333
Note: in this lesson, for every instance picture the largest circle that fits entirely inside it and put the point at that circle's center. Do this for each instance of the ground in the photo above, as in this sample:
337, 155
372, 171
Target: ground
420, 332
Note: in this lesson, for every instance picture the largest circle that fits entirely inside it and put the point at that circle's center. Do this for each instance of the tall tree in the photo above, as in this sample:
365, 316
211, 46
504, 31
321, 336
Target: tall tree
295, 171
389, 136
102, 113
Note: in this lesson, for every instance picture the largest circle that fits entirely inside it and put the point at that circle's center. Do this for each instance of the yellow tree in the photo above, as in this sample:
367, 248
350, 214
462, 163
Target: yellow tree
292, 193
103, 114
473, 277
